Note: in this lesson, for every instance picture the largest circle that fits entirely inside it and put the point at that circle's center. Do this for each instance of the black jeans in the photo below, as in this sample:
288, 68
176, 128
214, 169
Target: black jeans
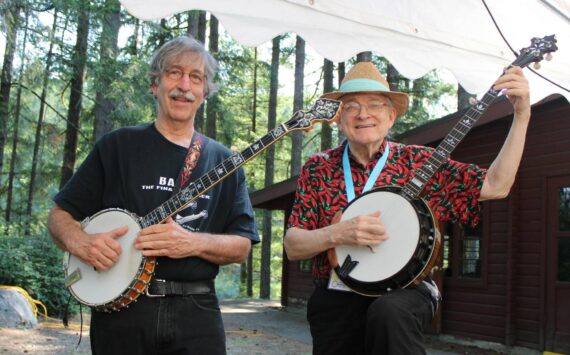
348, 323
167, 325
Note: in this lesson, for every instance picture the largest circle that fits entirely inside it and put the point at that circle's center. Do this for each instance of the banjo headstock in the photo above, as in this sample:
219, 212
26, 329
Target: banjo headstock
323, 110
540, 48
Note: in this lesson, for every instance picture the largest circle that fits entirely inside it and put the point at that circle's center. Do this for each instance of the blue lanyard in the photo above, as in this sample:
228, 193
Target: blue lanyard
349, 185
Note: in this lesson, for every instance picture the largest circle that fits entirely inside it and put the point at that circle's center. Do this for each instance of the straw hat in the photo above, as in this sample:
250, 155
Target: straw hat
364, 77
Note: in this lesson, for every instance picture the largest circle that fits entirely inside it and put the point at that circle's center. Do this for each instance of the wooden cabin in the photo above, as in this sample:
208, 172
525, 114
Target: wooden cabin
508, 279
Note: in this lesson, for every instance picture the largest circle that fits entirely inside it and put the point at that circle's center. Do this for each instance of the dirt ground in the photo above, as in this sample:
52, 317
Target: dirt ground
252, 327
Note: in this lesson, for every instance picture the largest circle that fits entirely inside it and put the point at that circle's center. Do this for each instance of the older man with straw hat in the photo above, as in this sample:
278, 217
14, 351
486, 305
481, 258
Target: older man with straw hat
346, 322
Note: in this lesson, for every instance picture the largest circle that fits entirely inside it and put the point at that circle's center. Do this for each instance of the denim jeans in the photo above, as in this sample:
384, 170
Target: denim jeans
167, 325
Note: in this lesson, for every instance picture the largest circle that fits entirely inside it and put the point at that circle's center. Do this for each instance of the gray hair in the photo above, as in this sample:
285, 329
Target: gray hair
176, 47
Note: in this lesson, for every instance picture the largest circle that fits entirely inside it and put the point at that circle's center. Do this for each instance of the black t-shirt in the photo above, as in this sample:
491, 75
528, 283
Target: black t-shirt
135, 169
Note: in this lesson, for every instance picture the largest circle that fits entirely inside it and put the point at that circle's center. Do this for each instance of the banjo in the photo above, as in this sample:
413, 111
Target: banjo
410, 253
118, 286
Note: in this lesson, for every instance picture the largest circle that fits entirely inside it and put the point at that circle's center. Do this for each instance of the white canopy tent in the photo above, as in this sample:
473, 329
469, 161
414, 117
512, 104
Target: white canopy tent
416, 36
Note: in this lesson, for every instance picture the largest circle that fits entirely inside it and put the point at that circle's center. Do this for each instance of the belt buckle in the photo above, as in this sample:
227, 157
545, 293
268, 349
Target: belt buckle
151, 295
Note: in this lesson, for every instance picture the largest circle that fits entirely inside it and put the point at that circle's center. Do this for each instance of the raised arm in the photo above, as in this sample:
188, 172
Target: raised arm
502, 172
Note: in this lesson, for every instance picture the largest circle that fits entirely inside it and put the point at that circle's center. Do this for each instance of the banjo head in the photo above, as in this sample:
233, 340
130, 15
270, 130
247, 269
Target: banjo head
405, 258
402, 225
95, 288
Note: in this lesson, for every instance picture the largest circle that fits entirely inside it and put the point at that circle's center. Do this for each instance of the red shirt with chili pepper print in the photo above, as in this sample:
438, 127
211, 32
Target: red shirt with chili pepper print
452, 193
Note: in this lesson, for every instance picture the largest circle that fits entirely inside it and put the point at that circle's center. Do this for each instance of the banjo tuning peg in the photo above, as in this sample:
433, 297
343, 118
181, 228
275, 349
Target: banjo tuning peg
536, 66
548, 56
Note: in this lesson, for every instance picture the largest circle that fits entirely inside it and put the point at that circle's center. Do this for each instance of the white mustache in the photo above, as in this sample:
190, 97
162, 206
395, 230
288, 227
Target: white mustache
176, 93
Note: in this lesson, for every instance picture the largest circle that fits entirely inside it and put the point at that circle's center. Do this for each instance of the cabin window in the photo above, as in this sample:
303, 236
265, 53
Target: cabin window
564, 242
471, 238
564, 210
305, 265
463, 250
447, 250
564, 259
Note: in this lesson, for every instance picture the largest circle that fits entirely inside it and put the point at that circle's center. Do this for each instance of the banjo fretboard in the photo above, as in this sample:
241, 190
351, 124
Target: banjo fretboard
198, 187
532, 54
441, 154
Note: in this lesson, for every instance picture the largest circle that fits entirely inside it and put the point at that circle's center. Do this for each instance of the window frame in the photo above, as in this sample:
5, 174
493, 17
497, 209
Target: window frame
455, 258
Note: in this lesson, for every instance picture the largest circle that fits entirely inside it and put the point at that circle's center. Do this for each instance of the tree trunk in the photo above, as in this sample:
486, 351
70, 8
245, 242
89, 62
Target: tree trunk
249, 272
254, 103
341, 74
163, 34
74, 111
393, 78
213, 103
133, 49
202, 27
463, 98
16, 133
11, 25
364, 57
326, 130
200, 36
265, 274
419, 89
193, 23
298, 102
108, 55
38, 138
249, 285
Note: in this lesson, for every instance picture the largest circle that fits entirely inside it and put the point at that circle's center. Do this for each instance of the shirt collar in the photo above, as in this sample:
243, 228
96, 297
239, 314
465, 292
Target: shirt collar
377, 155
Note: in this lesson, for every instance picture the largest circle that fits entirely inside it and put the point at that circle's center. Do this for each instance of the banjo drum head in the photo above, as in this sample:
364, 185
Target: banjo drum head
388, 258
97, 288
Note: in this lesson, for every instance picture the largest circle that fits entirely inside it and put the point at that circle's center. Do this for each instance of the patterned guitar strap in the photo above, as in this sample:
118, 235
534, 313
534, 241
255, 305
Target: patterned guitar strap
190, 161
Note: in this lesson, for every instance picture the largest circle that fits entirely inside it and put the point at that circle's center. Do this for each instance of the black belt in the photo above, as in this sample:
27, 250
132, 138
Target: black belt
161, 288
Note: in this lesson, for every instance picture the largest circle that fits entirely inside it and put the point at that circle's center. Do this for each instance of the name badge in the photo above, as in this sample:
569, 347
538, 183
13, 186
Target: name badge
336, 284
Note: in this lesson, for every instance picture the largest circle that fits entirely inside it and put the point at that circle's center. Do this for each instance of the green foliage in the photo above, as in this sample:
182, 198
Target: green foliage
228, 281
277, 233
34, 263
135, 103
424, 92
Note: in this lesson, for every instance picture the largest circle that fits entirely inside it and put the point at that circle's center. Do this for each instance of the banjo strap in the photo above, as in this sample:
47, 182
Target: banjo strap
190, 162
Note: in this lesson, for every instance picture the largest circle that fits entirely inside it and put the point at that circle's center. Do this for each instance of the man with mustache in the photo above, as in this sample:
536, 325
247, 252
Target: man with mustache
137, 169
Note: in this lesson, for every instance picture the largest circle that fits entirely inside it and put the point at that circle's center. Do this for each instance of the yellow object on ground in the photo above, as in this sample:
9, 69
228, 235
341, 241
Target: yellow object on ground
33, 303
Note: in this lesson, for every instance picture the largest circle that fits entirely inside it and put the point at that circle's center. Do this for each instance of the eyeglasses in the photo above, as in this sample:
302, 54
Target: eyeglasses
373, 107
176, 74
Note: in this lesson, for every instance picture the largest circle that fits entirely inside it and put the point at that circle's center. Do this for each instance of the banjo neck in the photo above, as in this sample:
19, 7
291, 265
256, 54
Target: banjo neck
442, 152
198, 187
532, 54
322, 110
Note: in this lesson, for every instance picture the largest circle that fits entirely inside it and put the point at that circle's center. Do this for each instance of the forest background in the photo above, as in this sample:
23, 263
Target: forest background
74, 70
